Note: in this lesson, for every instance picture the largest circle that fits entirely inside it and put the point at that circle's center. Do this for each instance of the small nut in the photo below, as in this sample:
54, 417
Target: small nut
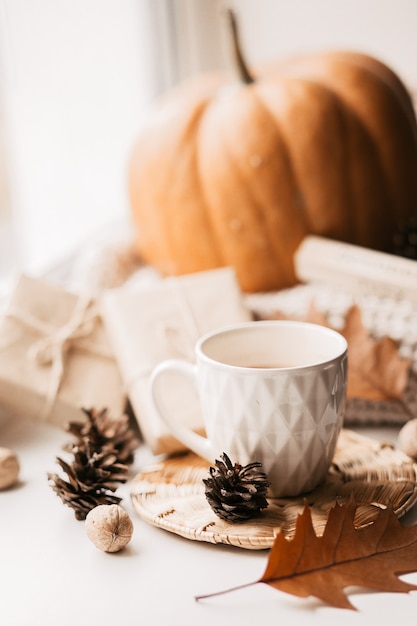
109, 527
407, 438
9, 468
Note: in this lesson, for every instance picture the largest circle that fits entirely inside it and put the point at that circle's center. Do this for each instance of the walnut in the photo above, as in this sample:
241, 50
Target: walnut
109, 527
407, 438
9, 468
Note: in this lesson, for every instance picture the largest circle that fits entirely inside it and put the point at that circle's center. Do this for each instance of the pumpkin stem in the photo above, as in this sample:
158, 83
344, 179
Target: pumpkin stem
244, 74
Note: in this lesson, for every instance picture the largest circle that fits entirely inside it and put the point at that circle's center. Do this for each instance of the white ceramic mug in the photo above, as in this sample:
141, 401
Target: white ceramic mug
273, 392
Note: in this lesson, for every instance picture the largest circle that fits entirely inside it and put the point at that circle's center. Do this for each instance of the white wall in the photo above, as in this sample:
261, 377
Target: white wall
77, 78
386, 29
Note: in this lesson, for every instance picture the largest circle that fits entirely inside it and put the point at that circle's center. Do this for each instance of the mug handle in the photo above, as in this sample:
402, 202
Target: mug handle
196, 443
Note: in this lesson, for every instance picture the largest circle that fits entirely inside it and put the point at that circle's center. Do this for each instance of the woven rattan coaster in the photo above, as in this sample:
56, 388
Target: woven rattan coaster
170, 495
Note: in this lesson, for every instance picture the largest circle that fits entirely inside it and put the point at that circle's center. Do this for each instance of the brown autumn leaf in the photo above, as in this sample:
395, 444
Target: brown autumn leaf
372, 556
376, 371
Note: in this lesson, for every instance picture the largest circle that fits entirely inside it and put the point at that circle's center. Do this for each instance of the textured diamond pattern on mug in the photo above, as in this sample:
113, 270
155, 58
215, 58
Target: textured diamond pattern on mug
296, 417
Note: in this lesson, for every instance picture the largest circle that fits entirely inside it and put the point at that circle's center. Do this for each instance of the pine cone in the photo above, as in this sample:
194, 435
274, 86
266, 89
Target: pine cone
92, 479
101, 432
236, 493
405, 239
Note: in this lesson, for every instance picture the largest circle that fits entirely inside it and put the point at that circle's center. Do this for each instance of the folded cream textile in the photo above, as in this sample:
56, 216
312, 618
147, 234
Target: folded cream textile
164, 320
55, 357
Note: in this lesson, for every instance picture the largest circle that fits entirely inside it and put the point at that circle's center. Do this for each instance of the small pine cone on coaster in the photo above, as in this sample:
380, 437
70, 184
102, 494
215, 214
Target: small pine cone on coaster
236, 493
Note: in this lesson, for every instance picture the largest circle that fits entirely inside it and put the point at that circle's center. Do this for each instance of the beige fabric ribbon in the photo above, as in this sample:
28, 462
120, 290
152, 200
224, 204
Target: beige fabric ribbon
50, 349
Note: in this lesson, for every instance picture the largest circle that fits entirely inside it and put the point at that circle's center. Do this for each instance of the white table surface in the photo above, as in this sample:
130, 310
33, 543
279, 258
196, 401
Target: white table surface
51, 574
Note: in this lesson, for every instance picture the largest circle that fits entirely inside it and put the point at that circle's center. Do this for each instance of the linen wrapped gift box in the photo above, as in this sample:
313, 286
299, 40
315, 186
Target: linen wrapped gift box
148, 325
55, 356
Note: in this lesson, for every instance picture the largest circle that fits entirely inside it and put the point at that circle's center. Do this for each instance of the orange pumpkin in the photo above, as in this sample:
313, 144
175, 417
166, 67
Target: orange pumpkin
237, 174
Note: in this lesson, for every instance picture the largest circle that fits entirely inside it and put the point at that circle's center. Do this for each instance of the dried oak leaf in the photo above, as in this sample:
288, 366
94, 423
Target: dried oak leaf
376, 371
372, 556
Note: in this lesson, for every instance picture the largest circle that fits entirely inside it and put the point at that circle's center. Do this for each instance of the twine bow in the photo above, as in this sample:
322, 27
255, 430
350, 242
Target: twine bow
51, 348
